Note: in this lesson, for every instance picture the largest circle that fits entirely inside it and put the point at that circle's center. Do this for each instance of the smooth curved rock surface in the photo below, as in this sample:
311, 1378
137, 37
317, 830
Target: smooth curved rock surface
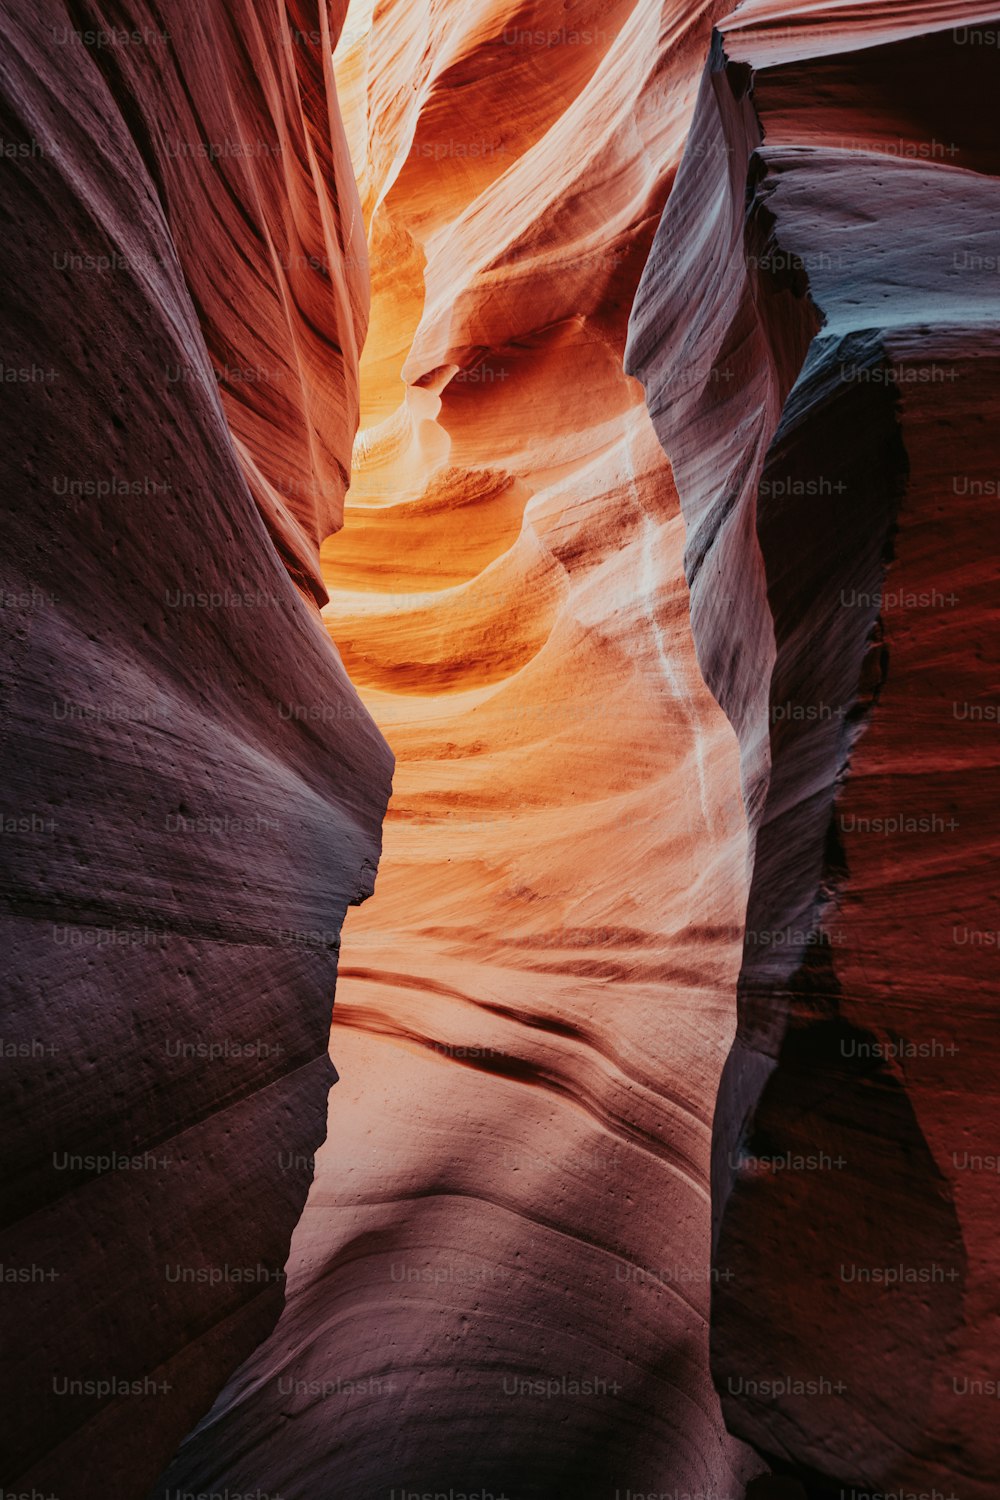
818, 331
500, 1283
185, 296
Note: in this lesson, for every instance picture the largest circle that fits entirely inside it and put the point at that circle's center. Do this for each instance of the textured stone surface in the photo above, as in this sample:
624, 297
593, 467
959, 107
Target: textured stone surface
818, 332
533, 1011
500, 1282
184, 299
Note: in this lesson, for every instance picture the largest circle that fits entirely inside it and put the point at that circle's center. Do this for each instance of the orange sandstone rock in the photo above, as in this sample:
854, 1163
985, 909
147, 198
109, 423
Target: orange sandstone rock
501, 1281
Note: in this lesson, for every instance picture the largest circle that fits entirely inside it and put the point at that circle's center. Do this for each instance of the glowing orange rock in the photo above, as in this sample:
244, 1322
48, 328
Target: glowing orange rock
501, 1281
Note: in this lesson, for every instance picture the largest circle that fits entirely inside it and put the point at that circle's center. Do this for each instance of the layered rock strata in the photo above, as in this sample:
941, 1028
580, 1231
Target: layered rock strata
193, 791
818, 329
500, 1283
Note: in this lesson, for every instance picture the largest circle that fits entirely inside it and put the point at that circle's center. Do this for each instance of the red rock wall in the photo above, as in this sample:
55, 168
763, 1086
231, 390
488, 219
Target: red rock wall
193, 791
821, 368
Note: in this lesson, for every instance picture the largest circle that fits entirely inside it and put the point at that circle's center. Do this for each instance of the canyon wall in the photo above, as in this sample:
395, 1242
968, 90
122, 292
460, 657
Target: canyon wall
818, 330
193, 791
500, 1283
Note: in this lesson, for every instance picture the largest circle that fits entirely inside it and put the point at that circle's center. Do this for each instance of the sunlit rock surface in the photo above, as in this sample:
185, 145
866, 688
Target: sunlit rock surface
500, 1283
818, 331
185, 295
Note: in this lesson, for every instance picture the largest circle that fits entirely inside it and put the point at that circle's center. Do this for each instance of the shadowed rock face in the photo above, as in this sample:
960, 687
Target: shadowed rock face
193, 792
500, 1283
818, 330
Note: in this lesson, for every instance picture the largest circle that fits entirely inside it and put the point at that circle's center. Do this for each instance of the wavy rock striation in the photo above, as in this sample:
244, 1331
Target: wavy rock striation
193, 791
500, 1283
818, 330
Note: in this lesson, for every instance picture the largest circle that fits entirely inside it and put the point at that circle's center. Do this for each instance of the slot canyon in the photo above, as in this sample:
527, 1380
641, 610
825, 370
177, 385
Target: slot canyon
501, 556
